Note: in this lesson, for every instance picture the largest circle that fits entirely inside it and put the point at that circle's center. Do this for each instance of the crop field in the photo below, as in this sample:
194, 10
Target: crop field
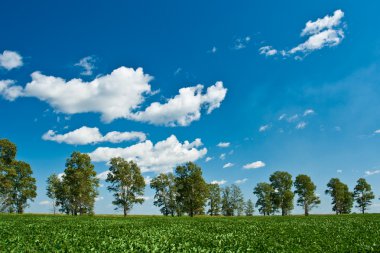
327, 233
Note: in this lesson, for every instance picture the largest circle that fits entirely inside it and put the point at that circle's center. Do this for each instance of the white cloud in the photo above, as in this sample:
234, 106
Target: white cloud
88, 65
324, 32
99, 198
91, 135
223, 144
213, 50
103, 175
10, 60
222, 156
185, 107
60, 176
308, 112
377, 131
301, 125
282, 116
220, 182
228, 165
147, 180
254, 165
268, 50
339, 171
9, 91
328, 22
372, 172
241, 181
293, 118
264, 128
144, 197
160, 157
119, 95
208, 159
241, 43
45, 203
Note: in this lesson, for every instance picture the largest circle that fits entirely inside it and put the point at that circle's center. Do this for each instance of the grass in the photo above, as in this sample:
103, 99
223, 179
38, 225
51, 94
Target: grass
322, 233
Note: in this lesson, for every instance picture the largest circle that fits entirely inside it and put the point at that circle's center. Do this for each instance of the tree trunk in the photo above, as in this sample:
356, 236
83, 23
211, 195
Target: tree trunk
125, 211
363, 209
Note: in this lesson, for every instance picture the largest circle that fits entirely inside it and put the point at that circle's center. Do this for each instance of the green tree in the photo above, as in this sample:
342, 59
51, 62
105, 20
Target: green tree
165, 196
17, 185
363, 195
214, 199
249, 208
342, 198
8, 152
52, 189
305, 189
24, 186
78, 190
227, 202
127, 183
237, 200
282, 182
264, 193
192, 189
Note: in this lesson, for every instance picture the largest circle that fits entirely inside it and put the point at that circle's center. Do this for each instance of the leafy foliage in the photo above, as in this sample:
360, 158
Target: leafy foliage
342, 198
17, 185
305, 189
363, 194
127, 183
282, 196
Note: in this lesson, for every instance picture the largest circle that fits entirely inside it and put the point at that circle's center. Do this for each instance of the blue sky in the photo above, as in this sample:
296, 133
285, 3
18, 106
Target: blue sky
284, 85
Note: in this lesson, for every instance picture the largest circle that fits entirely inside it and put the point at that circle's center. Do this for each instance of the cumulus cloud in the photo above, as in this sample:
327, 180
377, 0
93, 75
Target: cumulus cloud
91, 135
301, 125
88, 65
160, 157
9, 91
119, 95
264, 128
222, 156
324, 32
377, 131
10, 60
241, 43
308, 112
372, 172
254, 165
185, 107
208, 159
339, 171
228, 165
223, 144
220, 182
103, 175
45, 203
241, 181
268, 50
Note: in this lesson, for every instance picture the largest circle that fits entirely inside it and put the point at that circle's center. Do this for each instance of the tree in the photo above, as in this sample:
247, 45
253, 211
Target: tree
237, 200
342, 198
264, 193
363, 194
305, 189
78, 190
282, 182
17, 185
192, 189
214, 199
7, 172
165, 196
249, 208
227, 203
52, 189
127, 183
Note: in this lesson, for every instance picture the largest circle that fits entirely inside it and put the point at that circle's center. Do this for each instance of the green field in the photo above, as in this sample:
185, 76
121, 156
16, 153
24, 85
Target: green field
48, 233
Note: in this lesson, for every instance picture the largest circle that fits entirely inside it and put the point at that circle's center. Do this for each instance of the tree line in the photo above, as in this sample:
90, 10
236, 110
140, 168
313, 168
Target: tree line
183, 192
